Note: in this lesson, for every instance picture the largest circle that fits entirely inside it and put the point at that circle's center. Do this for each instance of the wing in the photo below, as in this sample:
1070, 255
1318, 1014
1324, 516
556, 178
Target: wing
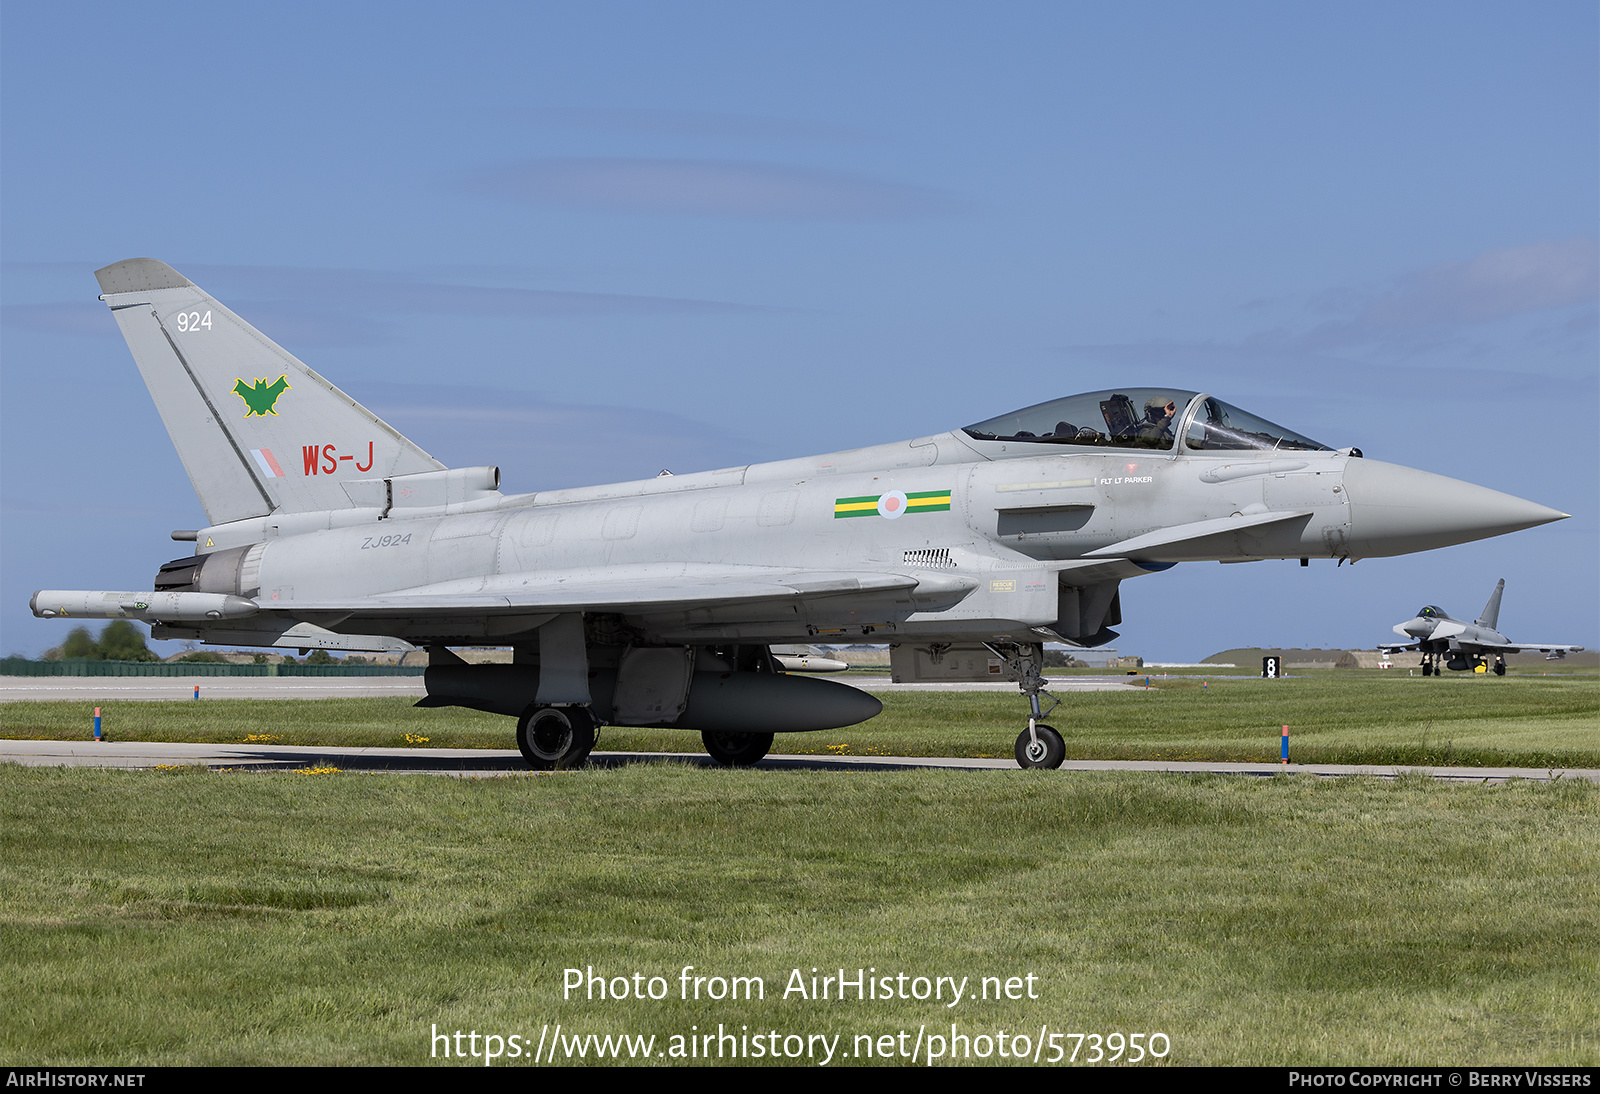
675, 597
619, 590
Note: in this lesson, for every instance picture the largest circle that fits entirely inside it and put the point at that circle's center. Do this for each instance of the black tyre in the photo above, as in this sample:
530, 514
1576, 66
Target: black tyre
1427, 668
737, 749
1499, 668
555, 738
1048, 751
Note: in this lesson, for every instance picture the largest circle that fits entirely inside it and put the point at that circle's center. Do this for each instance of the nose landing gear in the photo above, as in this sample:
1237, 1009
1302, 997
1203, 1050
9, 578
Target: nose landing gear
1039, 745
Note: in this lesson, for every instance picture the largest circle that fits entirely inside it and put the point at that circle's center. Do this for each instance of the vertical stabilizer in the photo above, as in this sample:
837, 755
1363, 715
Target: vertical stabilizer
257, 430
1491, 611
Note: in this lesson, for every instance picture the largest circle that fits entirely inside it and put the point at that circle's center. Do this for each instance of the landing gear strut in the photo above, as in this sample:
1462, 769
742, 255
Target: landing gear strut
736, 749
556, 738
1039, 745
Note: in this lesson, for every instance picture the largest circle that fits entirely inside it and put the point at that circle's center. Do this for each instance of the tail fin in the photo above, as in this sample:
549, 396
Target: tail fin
257, 430
1491, 611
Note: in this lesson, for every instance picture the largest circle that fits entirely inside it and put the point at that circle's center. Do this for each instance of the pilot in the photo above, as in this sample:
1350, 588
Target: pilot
1159, 411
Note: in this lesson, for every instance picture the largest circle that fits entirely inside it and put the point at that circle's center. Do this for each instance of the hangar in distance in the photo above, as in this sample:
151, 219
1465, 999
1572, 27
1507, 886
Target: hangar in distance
1447, 643
658, 602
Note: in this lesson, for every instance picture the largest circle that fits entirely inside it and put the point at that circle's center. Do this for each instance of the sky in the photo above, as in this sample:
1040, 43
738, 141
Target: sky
588, 242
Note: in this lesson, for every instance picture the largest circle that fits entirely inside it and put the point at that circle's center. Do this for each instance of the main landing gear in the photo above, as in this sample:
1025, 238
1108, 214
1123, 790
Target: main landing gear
1433, 664
1039, 745
556, 738
736, 749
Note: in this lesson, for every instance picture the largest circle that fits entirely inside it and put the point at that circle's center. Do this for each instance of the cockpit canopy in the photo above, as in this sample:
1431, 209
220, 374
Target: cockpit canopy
1431, 611
1143, 417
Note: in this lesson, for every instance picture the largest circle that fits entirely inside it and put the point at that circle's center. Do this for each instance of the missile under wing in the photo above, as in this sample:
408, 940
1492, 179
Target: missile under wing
659, 602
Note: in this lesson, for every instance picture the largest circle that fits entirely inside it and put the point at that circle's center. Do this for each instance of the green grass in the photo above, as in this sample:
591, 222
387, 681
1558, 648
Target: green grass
227, 918
1527, 721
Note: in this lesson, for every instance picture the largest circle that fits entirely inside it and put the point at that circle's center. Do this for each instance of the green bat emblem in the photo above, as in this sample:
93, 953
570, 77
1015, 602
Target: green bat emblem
261, 397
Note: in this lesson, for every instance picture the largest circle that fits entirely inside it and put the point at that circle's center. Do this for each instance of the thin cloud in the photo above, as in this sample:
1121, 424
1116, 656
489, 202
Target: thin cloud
700, 124
709, 188
1284, 368
542, 445
1495, 285
382, 291
292, 304
87, 319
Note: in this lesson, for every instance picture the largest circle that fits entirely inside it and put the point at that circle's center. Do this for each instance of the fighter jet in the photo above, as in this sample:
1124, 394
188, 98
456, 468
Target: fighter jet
1448, 643
658, 602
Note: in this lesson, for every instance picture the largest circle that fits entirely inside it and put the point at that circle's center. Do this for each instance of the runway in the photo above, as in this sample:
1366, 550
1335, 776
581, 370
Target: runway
485, 762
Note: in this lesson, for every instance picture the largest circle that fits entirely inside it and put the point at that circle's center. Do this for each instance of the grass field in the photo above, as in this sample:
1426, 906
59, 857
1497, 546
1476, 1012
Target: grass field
193, 917
1523, 721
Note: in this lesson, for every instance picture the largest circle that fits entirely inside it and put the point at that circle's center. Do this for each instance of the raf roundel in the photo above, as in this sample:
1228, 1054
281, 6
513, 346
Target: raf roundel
892, 505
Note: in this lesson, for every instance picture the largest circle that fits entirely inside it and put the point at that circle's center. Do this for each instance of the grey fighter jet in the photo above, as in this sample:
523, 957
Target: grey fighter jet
1447, 643
658, 602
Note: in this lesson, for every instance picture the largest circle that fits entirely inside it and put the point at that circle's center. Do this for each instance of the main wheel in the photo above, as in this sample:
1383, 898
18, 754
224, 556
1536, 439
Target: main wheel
555, 738
1048, 751
1427, 668
1499, 667
736, 749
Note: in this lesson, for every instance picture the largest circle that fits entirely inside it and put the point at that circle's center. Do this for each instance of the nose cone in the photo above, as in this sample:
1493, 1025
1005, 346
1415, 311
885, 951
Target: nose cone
1397, 510
1414, 628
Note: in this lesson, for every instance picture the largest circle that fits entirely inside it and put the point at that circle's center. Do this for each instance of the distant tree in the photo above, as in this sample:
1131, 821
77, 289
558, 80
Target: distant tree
357, 659
80, 643
259, 659
204, 657
320, 657
122, 641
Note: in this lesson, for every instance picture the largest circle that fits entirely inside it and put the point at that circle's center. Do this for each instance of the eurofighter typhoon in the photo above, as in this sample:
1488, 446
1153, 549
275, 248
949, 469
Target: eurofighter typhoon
1449, 643
658, 602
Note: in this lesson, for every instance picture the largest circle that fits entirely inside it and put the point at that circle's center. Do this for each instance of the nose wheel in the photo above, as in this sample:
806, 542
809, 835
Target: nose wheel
556, 738
1040, 746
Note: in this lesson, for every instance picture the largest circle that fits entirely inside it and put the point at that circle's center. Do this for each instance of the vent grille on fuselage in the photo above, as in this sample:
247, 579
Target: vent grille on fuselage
928, 556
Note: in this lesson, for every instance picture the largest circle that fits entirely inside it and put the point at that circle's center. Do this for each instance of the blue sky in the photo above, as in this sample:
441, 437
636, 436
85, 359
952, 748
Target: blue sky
586, 242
